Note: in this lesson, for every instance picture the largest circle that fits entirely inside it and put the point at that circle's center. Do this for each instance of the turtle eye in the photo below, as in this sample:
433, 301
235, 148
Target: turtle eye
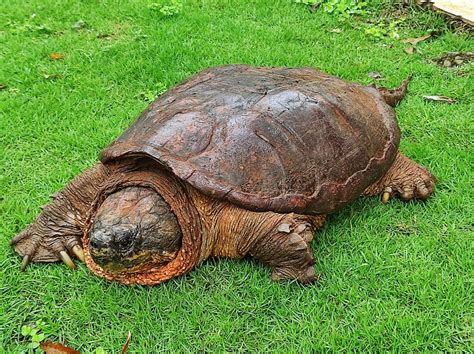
124, 238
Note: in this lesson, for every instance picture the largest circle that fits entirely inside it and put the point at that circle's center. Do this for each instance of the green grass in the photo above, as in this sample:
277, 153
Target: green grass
395, 277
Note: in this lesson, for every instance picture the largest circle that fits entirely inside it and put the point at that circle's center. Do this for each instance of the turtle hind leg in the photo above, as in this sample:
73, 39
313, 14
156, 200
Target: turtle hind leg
405, 179
393, 97
286, 249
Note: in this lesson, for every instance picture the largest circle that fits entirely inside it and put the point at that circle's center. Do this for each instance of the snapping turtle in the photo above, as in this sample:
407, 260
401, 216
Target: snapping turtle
235, 161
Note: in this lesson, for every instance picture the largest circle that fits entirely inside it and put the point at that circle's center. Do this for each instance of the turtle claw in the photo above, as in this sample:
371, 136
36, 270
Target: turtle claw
25, 262
304, 276
79, 252
66, 259
387, 193
420, 186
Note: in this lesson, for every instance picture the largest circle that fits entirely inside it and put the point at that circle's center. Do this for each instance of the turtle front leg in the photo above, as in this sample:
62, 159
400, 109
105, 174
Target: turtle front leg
405, 179
286, 249
280, 241
57, 231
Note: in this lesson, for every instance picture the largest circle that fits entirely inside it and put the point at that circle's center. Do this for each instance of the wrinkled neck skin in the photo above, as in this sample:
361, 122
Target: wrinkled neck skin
198, 217
230, 231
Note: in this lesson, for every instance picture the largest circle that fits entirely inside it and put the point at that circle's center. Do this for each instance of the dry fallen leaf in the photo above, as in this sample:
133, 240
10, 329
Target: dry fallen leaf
414, 41
125, 346
52, 76
440, 98
57, 348
410, 50
3, 86
336, 30
56, 56
376, 75
79, 25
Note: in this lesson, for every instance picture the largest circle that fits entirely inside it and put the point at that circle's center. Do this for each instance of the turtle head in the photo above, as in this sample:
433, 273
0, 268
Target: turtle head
133, 228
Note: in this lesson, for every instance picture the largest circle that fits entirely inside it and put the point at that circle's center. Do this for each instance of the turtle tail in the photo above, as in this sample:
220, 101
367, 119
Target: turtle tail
393, 97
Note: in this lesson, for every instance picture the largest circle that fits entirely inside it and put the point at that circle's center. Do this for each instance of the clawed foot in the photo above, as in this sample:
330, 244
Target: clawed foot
406, 180
35, 247
299, 266
415, 182
305, 276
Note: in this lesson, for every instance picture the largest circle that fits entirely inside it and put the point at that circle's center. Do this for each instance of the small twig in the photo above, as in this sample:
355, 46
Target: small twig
125, 346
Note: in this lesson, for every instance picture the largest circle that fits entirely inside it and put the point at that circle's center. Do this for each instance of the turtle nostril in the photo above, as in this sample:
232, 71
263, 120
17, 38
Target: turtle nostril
113, 240
99, 240
97, 244
94, 244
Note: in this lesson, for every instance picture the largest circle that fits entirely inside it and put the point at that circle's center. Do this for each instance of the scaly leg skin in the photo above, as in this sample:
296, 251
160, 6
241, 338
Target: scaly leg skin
57, 231
280, 241
404, 179
286, 248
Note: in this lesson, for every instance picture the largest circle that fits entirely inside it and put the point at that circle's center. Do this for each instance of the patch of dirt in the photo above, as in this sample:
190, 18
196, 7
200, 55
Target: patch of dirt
453, 59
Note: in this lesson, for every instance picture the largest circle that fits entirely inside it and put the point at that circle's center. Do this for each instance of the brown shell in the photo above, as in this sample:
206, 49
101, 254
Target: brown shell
279, 139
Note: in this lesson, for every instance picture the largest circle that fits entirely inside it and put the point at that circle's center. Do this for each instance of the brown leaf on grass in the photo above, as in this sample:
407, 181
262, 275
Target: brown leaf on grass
415, 41
336, 30
409, 50
376, 75
440, 98
79, 25
3, 86
57, 348
52, 76
56, 56
127, 342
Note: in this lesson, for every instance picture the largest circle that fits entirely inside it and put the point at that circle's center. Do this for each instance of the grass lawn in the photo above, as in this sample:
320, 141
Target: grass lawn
395, 277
